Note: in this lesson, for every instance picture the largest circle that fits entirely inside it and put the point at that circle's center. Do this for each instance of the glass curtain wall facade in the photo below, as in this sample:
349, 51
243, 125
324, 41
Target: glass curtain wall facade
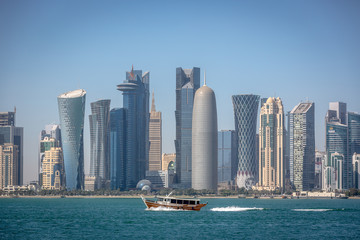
302, 148
336, 142
118, 147
187, 82
14, 135
71, 113
135, 90
227, 164
354, 137
245, 112
99, 141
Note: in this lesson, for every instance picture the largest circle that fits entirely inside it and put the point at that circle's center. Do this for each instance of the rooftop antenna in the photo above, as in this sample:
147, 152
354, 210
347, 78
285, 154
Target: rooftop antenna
204, 77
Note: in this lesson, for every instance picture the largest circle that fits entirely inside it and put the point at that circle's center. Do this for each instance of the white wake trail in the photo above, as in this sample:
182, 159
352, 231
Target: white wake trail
234, 209
312, 210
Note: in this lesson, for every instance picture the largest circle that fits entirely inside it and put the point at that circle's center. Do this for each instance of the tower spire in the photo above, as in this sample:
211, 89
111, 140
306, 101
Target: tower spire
153, 103
204, 77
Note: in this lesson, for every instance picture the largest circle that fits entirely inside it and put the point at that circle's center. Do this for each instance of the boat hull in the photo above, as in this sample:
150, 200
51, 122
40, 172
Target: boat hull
152, 204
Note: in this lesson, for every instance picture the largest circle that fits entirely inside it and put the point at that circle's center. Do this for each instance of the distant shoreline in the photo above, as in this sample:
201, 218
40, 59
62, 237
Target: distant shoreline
152, 196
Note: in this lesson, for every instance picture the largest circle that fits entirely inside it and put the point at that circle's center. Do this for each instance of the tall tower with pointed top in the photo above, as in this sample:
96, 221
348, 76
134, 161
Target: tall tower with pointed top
204, 140
155, 136
135, 91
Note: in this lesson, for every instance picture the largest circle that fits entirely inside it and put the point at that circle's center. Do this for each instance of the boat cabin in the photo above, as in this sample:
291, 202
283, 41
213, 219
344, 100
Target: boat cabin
179, 201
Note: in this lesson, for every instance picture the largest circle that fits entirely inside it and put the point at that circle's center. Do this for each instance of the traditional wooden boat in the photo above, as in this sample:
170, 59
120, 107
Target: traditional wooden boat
174, 203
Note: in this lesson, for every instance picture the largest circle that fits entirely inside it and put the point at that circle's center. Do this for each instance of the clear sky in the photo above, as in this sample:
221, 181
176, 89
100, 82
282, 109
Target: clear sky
296, 50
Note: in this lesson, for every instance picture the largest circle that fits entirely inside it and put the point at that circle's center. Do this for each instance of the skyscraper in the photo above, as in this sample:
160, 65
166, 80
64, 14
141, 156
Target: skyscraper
245, 113
319, 160
52, 166
71, 113
99, 141
204, 140
187, 82
271, 145
135, 90
7, 118
118, 147
155, 138
333, 173
9, 133
49, 137
9, 165
356, 170
227, 157
337, 142
353, 138
302, 147
337, 112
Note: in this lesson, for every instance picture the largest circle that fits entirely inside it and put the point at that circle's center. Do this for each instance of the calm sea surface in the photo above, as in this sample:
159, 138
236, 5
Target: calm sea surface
221, 219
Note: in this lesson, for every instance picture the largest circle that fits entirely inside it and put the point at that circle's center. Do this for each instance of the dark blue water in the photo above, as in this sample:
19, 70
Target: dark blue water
221, 219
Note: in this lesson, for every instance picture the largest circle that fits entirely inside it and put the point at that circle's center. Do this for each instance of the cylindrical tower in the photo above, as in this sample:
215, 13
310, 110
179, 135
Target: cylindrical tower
71, 112
204, 140
245, 112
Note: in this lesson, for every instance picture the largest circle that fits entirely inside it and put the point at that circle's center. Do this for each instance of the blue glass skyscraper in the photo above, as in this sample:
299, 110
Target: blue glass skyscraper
135, 91
99, 122
9, 133
354, 132
71, 112
336, 142
118, 146
354, 139
187, 82
245, 112
227, 156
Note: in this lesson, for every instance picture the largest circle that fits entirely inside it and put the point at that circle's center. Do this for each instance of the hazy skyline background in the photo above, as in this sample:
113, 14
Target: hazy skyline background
296, 50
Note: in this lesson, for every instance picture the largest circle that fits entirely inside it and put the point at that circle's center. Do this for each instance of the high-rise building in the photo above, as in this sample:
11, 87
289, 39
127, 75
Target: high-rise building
336, 142
337, 112
204, 140
271, 145
71, 113
9, 133
333, 172
319, 160
99, 122
227, 157
187, 82
135, 90
49, 137
155, 138
302, 147
52, 166
7, 118
45, 145
9, 165
245, 112
353, 137
118, 148
356, 170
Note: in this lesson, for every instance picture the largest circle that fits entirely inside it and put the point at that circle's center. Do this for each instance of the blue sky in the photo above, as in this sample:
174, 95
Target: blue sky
296, 50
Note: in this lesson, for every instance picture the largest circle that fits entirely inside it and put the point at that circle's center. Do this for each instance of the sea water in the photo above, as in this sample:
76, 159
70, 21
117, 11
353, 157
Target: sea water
115, 218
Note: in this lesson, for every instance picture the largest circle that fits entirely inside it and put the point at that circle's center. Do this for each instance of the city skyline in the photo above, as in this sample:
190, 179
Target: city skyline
302, 45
